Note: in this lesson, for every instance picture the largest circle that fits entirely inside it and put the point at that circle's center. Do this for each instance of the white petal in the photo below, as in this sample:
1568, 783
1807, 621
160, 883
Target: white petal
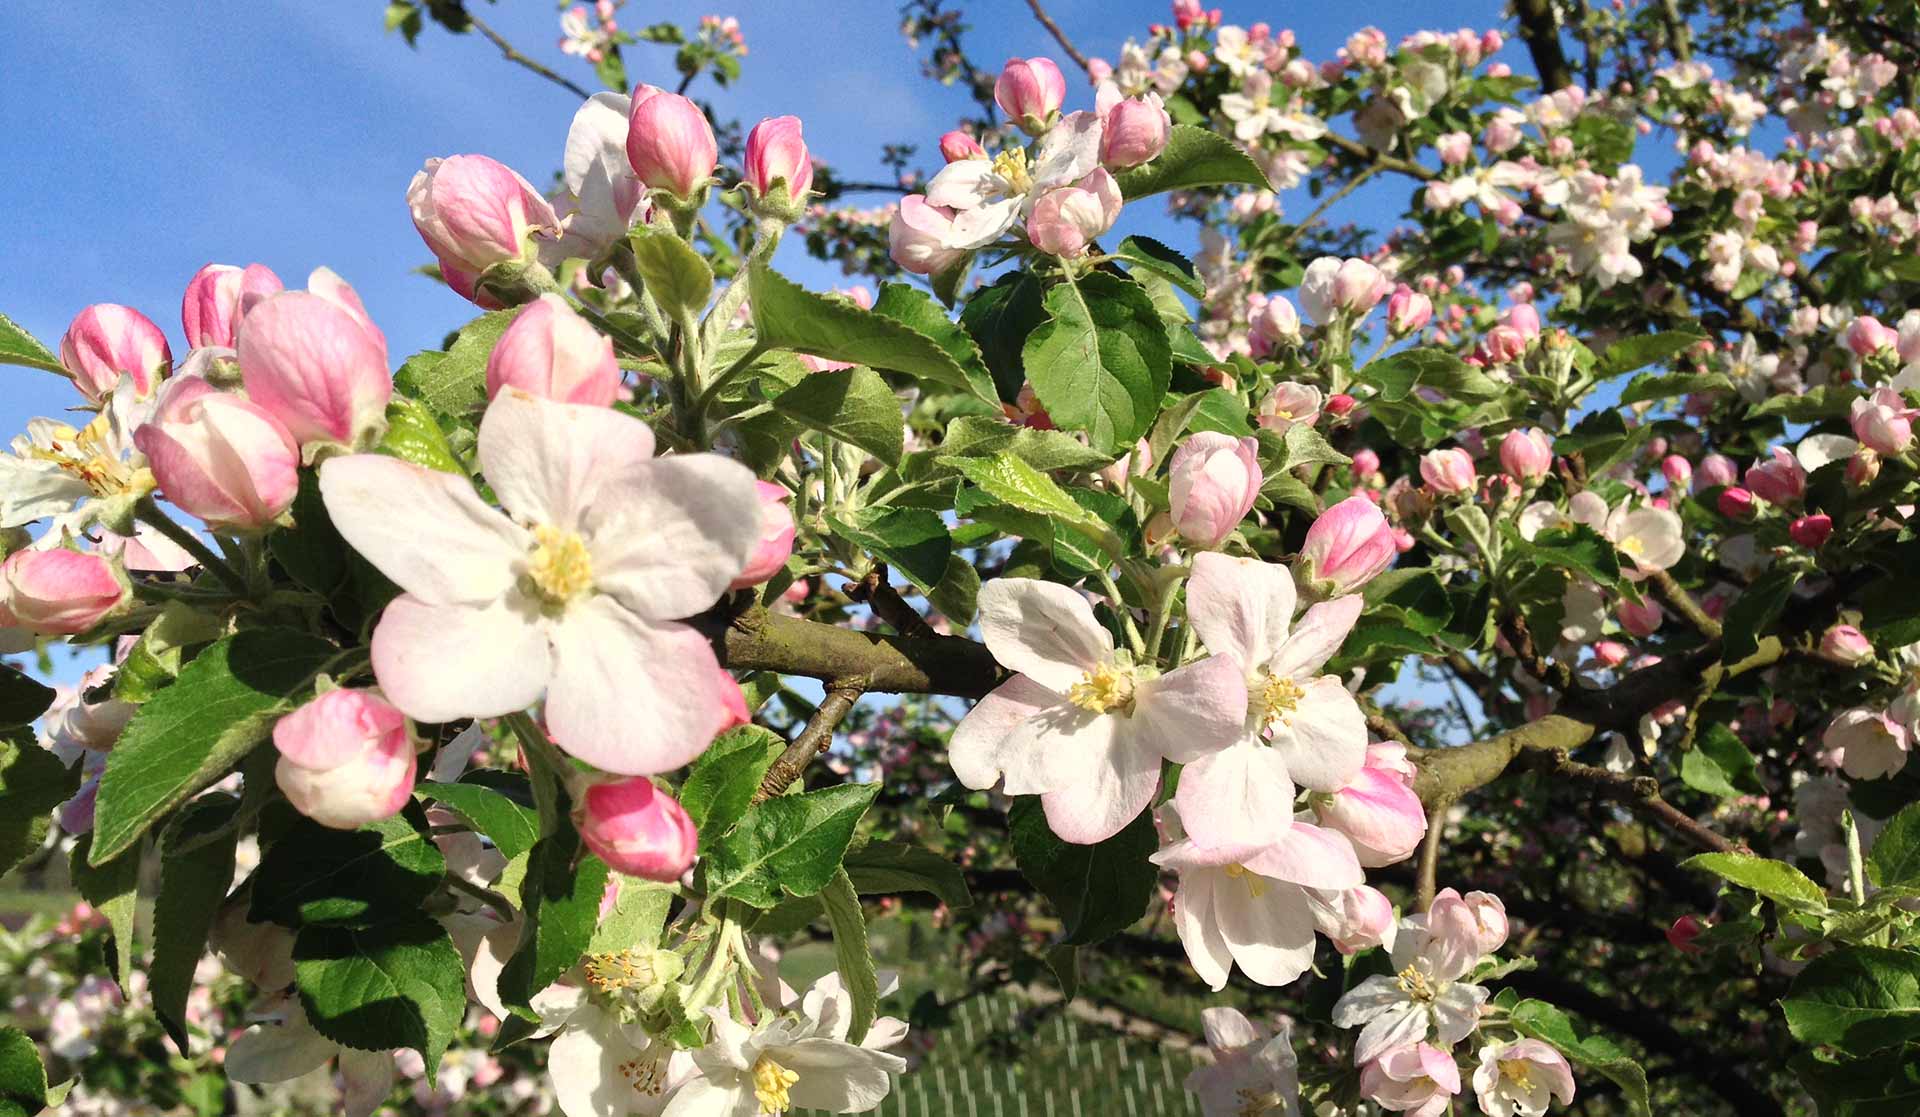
1367, 1000
1324, 739
1240, 797
1192, 711
964, 184
1320, 633
1270, 934
1399, 1025
548, 460
427, 530
366, 1078
981, 748
1240, 607
1193, 918
584, 1064
442, 662
838, 1077
703, 1097
982, 225
1115, 784
1313, 856
1228, 1029
280, 1048
1043, 630
632, 697
1070, 151
32, 489
670, 534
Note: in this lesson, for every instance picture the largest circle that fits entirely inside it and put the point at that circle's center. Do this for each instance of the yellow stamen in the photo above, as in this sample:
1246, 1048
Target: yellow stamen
1104, 688
1275, 699
645, 1075
771, 1081
1517, 1071
1415, 984
625, 970
1259, 1103
559, 565
1256, 884
87, 454
1011, 165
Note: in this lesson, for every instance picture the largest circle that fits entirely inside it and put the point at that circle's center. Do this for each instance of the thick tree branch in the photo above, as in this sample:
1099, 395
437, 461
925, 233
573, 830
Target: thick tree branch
810, 742
749, 638
1682, 602
1059, 36
1540, 27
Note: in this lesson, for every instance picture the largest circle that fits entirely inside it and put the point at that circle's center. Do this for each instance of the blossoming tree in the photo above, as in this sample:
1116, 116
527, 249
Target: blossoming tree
504, 658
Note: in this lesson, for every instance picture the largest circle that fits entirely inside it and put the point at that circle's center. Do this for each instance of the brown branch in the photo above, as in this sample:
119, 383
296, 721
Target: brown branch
1640, 794
1427, 880
512, 54
1382, 726
1680, 601
749, 638
1540, 27
1059, 36
877, 593
810, 742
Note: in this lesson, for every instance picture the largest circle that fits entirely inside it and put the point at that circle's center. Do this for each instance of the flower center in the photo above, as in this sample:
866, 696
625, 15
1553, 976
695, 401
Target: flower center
1011, 165
771, 1081
1518, 1072
1415, 984
1631, 546
1258, 1103
1256, 884
1104, 688
1275, 699
645, 1074
612, 972
88, 455
559, 565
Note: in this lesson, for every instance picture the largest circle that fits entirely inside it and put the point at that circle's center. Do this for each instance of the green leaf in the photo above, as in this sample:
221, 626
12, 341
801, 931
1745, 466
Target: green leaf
889, 868
1101, 363
1194, 156
1544, 1022
1860, 999
18, 347
414, 435
851, 956
22, 698
193, 884
1895, 857
511, 826
788, 316
455, 382
1668, 385
32, 783
1885, 1085
1630, 353
976, 436
560, 900
1719, 765
913, 541
722, 781
1828, 401
1300, 445
1011, 481
1064, 961
1397, 375
851, 404
315, 874
1601, 439
1000, 318
1776, 880
675, 275
1099, 890
1753, 612
1578, 548
915, 309
639, 912
790, 845
398, 983
113, 890
23, 1080
1148, 254
193, 732
958, 594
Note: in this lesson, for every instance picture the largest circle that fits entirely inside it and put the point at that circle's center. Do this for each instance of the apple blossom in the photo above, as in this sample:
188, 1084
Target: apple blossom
1716, 470
1846, 645
671, 146
957, 145
1214, 479
1346, 547
602, 197
107, 341
1811, 532
1677, 470
780, 1063
637, 829
1639, 618
776, 537
1883, 422
1353, 919
777, 158
473, 213
1377, 810
550, 351
317, 367
1030, 91
987, 198
280, 1044
1334, 287
1418, 1079
1288, 403
1526, 455
917, 238
218, 296
1136, 131
1448, 471
1477, 919
57, 592
1408, 311
1652, 538
1277, 321
1251, 1070
576, 595
78, 477
219, 456
1521, 1078
1079, 724
346, 759
1867, 744
1865, 336
1066, 219
1423, 997
1779, 480
1736, 503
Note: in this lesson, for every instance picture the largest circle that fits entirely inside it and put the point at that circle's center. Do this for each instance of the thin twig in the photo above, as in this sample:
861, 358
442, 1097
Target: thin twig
1427, 882
1332, 200
1638, 793
811, 741
1059, 36
512, 54
1683, 603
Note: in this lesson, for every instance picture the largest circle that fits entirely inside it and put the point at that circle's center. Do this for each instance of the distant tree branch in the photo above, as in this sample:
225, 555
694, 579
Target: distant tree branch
512, 54
1059, 36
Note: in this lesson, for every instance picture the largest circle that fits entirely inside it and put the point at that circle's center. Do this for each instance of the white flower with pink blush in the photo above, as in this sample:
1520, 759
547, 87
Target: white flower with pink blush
1377, 810
1521, 1078
1419, 1080
1424, 996
1299, 726
574, 592
1252, 1071
1080, 724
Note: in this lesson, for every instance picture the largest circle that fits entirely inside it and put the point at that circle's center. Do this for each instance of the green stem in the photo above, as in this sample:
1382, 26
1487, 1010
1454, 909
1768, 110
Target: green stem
150, 514
1134, 639
1166, 582
486, 896
545, 767
731, 373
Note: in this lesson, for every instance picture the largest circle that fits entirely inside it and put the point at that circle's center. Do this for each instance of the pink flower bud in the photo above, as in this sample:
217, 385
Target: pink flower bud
107, 341
1347, 547
1366, 463
670, 145
1356, 919
1030, 91
916, 238
1415, 1077
1290, 402
1526, 455
1333, 286
1339, 403
1524, 319
57, 592
1685, 929
776, 153
551, 352
1811, 532
1215, 478
1779, 480
218, 296
1277, 321
776, 537
220, 457
317, 368
1862, 468
1502, 345
1136, 130
1865, 336
345, 759
1377, 810
1408, 310
1883, 422
1846, 645
1677, 470
474, 212
1715, 470
1610, 653
637, 829
957, 145
1476, 921
1640, 618
1066, 220
1449, 471
1736, 503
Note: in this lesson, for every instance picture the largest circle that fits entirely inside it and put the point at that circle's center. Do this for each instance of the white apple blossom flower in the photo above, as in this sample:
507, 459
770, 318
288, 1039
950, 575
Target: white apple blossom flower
576, 596
77, 475
1653, 538
602, 195
1423, 996
1300, 726
1252, 1072
280, 1044
1521, 1078
1081, 725
989, 197
784, 1062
